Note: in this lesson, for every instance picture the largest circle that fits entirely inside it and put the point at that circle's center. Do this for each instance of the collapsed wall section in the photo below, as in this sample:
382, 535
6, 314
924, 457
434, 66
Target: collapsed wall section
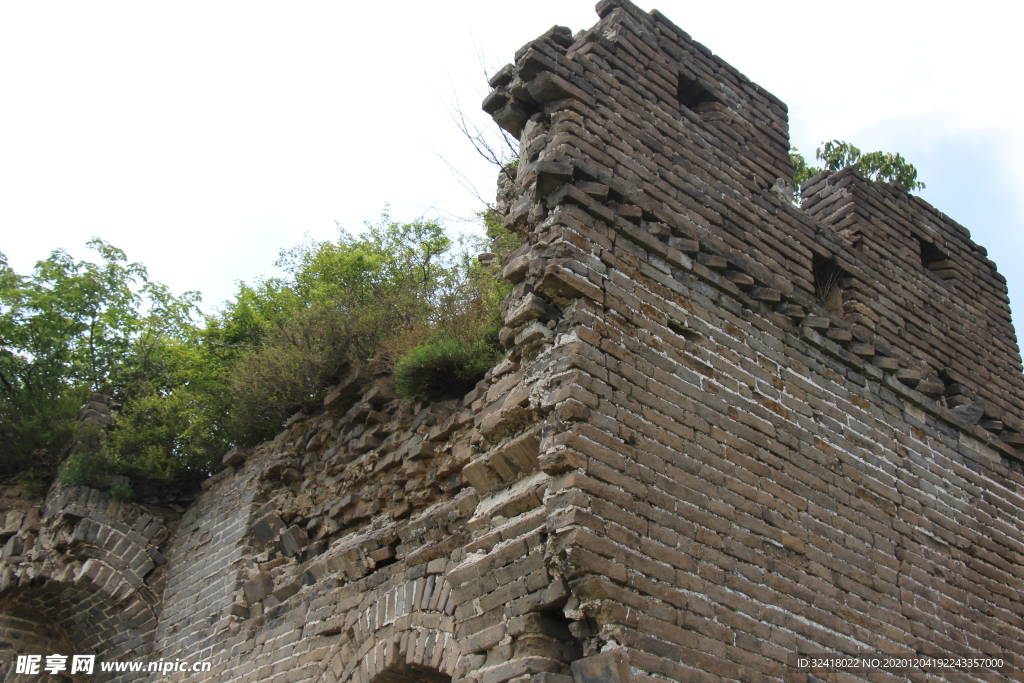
380, 539
81, 572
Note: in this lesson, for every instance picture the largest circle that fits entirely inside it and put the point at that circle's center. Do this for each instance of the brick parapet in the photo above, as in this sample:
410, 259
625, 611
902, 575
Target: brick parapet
753, 246
926, 288
751, 474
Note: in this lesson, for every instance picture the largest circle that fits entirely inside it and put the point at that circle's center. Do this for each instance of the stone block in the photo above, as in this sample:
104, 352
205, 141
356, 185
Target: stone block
267, 528
611, 666
519, 455
766, 294
481, 476
970, 412
288, 590
293, 541
531, 307
380, 394
13, 522
550, 175
548, 86
234, 457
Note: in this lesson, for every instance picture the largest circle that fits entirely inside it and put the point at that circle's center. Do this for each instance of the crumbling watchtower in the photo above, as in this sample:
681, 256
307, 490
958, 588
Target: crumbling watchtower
727, 431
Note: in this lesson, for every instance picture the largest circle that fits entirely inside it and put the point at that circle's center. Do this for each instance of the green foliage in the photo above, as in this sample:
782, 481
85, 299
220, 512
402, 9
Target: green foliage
175, 435
29, 485
366, 299
122, 491
190, 390
87, 467
837, 155
444, 368
462, 344
358, 269
343, 302
292, 365
69, 328
372, 299
801, 171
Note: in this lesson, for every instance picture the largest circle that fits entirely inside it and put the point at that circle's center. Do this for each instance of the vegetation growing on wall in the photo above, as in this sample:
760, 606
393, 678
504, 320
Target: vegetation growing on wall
837, 155
444, 367
71, 327
189, 386
397, 297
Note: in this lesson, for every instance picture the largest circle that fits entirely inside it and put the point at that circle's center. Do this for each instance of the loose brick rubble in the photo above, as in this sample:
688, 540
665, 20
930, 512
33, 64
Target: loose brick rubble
726, 430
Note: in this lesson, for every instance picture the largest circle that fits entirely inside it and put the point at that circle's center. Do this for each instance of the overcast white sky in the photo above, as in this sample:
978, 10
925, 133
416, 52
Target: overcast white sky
201, 137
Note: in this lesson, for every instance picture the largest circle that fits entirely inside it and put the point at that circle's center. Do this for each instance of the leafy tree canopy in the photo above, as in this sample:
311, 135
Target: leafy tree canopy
192, 386
837, 155
69, 328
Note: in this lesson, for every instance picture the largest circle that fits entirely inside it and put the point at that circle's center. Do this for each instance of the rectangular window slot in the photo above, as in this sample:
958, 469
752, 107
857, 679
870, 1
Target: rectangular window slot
829, 279
937, 261
691, 92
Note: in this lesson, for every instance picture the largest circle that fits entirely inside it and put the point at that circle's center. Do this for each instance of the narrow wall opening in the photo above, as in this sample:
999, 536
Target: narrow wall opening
828, 284
411, 673
936, 260
691, 92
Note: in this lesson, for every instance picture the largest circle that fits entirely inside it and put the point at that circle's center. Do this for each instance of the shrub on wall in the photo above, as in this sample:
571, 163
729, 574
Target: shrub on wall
444, 368
89, 464
122, 491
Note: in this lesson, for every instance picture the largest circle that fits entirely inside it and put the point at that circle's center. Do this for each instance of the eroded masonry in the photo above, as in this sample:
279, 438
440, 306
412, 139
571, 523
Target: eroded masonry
726, 431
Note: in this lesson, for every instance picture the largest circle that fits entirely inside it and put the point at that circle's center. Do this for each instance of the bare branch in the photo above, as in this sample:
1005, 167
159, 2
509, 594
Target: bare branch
461, 178
499, 152
499, 149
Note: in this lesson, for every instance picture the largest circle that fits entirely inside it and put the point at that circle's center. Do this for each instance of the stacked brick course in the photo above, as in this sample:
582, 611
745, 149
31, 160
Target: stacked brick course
726, 430
765, 467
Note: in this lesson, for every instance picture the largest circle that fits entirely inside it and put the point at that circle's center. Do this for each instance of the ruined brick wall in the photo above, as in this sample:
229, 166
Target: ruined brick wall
726, 430
915, 279
80, 572
764, 467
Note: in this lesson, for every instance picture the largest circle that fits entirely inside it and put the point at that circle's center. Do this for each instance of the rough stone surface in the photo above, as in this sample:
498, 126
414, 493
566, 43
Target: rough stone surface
727, 431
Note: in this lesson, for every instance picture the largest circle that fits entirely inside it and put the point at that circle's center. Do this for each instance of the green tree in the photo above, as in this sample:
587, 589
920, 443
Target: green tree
837, 155
192, 388
172, 423
70, 328
365, 298
453, 352
274, 347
